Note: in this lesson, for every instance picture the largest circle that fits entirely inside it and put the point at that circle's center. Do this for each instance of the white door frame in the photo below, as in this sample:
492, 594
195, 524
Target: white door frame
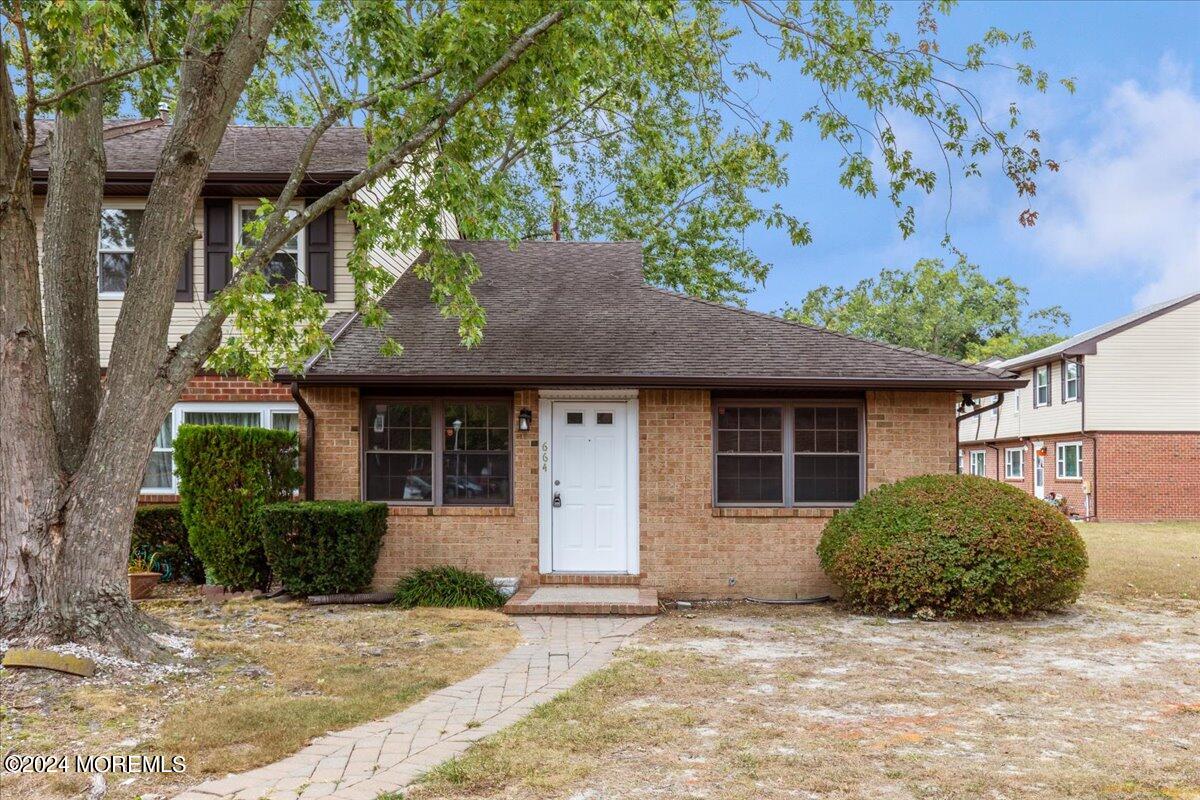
1039, 476
546, 399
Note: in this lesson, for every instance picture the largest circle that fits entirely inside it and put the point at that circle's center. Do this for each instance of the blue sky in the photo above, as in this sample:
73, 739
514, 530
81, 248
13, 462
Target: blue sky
1120, 224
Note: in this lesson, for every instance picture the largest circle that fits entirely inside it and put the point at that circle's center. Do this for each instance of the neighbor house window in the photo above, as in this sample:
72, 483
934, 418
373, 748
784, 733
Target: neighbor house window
1070, 381
160, 470
1041, 386
1014, 463
978, 464
287, 265
438, 452
1069, 460
789, 454
118, 230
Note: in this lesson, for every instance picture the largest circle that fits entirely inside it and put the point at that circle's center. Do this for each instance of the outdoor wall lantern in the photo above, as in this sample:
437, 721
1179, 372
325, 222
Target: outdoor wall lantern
524, 419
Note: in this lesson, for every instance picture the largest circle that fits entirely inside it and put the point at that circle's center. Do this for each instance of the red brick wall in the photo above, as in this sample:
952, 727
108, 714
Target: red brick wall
688, 548
1148, 476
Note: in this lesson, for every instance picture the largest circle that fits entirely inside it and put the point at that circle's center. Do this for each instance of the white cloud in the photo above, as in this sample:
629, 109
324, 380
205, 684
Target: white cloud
1128, 197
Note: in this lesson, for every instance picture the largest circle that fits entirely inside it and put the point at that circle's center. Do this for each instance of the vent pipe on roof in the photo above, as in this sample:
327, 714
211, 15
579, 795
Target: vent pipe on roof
164, 111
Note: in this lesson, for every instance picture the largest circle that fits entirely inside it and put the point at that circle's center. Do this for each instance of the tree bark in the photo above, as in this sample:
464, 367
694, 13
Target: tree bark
69, 244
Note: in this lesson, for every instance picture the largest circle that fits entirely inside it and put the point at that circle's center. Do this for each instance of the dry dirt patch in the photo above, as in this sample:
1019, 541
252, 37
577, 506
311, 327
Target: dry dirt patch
1102, 701
256, 681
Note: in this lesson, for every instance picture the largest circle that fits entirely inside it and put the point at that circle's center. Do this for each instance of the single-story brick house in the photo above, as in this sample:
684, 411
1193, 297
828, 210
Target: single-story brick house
609, 431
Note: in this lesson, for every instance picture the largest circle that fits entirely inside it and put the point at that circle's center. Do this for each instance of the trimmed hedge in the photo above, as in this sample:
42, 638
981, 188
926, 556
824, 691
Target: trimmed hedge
158, 528
226, 475
447, 587
324, 547
958, 545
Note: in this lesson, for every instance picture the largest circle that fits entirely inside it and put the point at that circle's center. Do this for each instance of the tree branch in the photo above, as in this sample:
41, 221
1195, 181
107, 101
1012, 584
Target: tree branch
112, 76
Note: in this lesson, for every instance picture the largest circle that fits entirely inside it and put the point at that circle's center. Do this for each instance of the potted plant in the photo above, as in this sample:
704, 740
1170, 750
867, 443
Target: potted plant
142, 575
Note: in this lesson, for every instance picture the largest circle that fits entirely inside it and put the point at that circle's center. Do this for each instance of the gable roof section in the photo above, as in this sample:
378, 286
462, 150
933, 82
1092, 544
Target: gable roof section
132, 148
1085, 343
581, 313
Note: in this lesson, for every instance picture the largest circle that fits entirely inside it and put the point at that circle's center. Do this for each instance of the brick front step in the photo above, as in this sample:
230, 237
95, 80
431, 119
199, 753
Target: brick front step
588, 579
576, 599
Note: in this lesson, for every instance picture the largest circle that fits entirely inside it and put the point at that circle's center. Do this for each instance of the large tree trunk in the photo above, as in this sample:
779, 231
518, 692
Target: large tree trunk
65, 521
69, 243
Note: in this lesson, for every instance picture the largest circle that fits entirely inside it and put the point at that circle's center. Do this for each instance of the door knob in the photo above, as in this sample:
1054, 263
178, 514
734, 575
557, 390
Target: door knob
557, 502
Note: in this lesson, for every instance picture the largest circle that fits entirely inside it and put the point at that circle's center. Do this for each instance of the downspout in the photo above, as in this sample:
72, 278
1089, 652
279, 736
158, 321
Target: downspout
975, 413
310, 443
990, 446
1094, 511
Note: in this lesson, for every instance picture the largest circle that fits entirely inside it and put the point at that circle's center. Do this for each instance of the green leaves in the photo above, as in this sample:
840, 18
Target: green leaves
952, 311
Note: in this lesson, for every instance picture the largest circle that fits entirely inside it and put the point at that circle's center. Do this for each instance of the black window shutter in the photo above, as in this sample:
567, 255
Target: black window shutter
183, 289
318, 252
218, 245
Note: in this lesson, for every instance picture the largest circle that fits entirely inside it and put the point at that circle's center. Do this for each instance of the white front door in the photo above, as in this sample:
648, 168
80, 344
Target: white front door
1039, 477
588, 485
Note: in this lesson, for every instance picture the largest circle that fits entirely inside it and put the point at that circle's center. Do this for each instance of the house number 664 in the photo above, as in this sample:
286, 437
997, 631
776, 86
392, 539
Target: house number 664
545, 456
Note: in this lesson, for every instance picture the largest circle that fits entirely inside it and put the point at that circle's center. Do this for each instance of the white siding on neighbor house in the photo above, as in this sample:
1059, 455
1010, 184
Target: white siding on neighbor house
1147, 377
1017, 418
185, 315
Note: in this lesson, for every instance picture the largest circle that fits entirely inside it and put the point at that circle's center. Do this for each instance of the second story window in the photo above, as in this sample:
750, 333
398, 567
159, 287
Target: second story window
287, 265
1070, 381
1041, 386
118, 230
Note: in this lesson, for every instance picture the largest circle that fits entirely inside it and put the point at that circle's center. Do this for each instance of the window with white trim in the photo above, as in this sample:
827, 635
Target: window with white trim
287, 265
978, 463
1041, 386
1070, 381
160, 470
1068, 458
114, 256
1014, 463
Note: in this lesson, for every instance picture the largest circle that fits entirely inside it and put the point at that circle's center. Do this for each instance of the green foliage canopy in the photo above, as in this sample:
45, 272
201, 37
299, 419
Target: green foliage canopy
953, 311
631, 120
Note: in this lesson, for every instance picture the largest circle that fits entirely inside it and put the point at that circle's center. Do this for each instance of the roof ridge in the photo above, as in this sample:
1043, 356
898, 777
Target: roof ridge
109, 131
819, 329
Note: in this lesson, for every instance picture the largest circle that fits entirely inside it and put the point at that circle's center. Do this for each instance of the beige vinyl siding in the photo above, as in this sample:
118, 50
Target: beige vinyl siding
1147, 377
1017, 417
185, 315
396, 263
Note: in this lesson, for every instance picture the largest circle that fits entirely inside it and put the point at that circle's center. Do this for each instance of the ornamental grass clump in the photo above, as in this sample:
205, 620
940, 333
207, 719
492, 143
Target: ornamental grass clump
956, 546
447, 587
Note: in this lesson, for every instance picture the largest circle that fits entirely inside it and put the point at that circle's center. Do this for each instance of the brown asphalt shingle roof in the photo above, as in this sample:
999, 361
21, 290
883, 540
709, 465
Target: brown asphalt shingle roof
133, 146
575, 312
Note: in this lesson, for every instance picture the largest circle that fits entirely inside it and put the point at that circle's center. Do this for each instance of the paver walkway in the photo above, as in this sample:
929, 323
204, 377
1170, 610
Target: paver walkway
388, 754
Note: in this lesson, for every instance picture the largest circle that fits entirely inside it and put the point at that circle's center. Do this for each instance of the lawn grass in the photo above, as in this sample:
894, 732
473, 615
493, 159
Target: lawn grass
1129, 559
267, 678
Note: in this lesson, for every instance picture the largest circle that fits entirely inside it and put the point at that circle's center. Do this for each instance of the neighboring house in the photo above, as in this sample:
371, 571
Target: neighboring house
608, 431
251, 163
1110, 419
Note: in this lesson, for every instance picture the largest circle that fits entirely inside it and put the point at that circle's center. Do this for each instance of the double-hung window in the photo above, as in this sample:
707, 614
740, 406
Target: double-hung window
1070, 381
118, 231
1041, 386
788, 454
287, 264
160, 470
438, 452
1069, 460
1014, 463
978, 463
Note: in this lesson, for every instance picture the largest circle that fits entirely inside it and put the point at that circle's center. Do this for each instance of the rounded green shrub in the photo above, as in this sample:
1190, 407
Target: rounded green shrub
958, 545
447, 587
226, 474
324, 547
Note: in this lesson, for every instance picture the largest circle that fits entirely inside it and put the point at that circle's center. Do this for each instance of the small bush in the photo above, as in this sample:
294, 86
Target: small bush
158, 528
226, 474
447, 587
958, 545
323, 547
